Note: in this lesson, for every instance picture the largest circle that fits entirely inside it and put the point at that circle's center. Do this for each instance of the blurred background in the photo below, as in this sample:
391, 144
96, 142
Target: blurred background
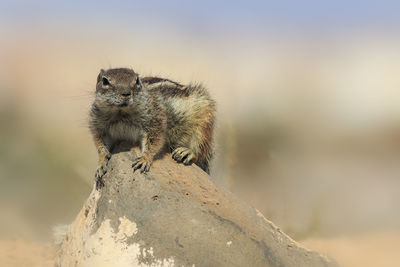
308, 97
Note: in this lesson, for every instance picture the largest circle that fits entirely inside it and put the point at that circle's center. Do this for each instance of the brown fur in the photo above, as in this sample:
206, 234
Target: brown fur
155, 112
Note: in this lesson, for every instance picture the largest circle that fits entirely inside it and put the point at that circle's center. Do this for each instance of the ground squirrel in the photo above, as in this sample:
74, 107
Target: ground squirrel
154, 112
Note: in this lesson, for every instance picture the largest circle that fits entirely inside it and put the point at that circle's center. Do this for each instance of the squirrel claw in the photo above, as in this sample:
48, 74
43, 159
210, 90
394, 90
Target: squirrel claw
99, 183
184, 155
141, 164
101, 171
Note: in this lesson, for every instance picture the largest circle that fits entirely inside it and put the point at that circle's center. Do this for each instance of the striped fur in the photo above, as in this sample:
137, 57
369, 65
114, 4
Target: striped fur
154, 112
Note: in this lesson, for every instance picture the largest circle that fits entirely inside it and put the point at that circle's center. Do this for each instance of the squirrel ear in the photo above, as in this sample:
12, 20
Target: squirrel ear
100, 75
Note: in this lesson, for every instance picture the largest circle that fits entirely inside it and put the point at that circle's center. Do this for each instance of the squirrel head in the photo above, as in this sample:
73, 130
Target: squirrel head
117, 87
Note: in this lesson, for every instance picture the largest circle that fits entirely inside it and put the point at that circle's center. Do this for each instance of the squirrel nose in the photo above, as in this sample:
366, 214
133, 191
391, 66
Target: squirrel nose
125, 92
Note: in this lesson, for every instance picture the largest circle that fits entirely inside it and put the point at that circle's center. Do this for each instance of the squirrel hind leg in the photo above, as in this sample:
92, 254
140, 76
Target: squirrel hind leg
194, 144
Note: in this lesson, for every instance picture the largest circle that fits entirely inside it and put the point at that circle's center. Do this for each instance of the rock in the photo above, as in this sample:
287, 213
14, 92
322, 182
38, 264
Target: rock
174, 215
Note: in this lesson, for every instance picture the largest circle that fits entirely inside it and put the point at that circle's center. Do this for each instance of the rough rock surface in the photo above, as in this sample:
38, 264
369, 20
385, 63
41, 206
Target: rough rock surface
174, 216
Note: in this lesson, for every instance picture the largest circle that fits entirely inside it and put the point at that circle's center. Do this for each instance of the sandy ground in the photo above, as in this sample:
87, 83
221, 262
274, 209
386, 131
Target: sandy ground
379, 249
21, 253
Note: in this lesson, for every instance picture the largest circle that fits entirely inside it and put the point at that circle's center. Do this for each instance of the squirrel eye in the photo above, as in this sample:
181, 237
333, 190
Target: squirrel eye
105, 81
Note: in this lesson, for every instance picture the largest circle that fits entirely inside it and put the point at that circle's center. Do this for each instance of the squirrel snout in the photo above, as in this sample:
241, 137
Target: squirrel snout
125, 91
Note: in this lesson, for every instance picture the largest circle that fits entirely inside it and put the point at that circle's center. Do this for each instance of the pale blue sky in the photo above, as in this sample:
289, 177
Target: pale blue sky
208, 16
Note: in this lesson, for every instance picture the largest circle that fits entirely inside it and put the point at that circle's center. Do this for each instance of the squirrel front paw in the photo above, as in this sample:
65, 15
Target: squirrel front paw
141, 163
101, 170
